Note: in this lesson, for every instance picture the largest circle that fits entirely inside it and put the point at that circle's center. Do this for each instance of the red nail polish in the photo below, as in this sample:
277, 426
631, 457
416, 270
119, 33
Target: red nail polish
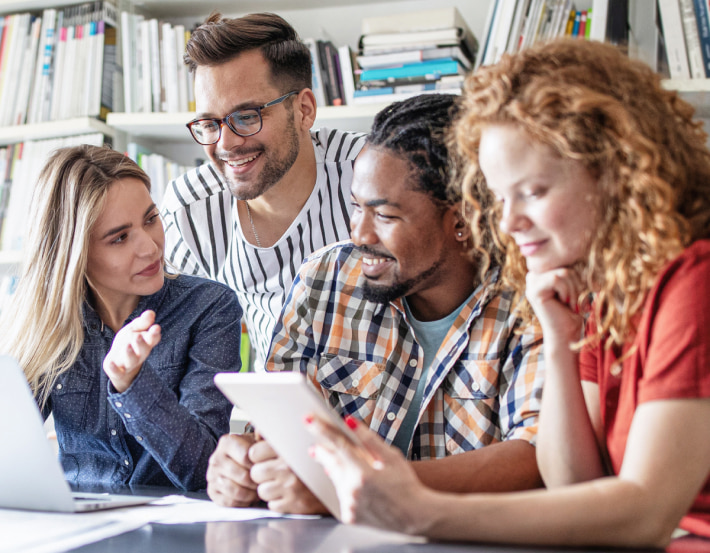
308, 419
351, 422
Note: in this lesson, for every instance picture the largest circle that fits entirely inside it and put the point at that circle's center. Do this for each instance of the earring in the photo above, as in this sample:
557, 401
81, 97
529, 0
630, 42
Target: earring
459, 234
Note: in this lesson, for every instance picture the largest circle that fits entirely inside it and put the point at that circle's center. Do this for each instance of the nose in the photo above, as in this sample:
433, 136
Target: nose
512, 218
361, 230
146, 246
229, 139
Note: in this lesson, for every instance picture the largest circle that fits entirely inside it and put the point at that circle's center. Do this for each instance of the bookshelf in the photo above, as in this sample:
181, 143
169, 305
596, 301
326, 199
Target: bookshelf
337, 20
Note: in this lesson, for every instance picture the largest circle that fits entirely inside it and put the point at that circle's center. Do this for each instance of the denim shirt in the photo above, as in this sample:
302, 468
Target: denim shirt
162, 430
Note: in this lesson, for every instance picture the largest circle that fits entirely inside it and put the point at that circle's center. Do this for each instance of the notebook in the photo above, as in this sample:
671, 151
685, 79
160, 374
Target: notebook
31, 476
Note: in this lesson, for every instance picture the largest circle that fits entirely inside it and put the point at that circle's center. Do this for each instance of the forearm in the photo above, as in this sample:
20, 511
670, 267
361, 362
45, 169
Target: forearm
504, 466
567, 449
180, 442
606, 512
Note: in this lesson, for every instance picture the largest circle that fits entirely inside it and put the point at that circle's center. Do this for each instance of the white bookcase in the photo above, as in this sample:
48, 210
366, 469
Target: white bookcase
337, 20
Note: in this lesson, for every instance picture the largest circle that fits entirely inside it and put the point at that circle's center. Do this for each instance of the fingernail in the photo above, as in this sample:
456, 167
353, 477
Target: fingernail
351, 422
308, 419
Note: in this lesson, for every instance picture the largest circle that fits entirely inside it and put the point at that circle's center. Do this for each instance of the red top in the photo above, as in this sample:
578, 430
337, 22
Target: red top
672, 360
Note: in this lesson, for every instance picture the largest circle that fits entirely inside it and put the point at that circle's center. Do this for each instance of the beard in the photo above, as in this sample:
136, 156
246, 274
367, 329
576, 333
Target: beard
387, 293
274, 168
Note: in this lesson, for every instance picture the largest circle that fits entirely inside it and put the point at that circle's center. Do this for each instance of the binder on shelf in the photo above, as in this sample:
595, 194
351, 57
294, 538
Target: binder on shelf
674, 38
692, 39
600, 8
702, 17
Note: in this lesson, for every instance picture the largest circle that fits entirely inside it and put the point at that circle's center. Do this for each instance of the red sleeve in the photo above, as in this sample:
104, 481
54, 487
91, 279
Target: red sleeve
588, 361
675, 330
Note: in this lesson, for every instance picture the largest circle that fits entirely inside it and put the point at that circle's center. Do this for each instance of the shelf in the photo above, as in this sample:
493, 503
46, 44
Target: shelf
53, 129
8, 258
170, 127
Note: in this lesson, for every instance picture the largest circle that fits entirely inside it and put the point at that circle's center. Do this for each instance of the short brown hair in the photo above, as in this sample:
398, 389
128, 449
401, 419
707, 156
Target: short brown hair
220, 39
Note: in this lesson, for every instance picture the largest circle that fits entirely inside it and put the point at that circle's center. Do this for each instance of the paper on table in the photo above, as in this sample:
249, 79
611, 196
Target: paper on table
34, 532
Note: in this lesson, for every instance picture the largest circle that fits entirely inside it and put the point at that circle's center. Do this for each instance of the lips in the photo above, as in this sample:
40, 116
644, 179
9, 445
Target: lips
151, 270
528, 249
375, 266
242, 164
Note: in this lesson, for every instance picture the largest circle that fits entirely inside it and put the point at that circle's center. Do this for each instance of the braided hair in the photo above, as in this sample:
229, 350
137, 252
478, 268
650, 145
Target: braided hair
415, 129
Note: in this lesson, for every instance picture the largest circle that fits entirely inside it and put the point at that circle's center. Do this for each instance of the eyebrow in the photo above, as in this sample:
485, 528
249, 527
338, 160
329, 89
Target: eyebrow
121, 228
238, 107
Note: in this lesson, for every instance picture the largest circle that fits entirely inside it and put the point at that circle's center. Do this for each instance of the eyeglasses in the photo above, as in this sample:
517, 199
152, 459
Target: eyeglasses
244, 122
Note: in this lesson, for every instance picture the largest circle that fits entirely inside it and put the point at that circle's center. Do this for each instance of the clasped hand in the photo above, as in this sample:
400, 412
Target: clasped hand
130, 348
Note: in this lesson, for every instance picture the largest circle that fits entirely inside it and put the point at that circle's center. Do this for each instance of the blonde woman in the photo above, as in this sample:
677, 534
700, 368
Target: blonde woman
598, 182
121, 355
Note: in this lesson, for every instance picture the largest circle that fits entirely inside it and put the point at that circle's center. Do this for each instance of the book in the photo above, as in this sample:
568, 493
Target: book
600, 9
334, 79
347, 72
501, 31
423, 20
27, 71
516, 27
674, 38
702, 16
394, 59
317, 80
182, 72
692, 39
439, 37
434, 67
390, 97
128, 51
41, 91
617, 24
487, 32
146, 72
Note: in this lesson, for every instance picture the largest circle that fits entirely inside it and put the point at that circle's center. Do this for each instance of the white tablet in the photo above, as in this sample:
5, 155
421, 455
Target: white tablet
277, 404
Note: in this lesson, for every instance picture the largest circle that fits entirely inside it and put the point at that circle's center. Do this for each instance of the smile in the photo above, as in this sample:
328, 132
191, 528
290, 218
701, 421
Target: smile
240, 162
373, 260
531, 248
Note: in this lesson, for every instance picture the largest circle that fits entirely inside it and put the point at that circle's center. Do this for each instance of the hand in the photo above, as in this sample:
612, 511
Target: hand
375, 486
131, 347
228, 480
554, 296
278, 485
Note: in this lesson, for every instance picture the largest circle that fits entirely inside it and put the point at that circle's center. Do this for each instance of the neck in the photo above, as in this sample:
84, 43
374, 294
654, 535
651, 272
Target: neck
114, 312
274, 211
446, 296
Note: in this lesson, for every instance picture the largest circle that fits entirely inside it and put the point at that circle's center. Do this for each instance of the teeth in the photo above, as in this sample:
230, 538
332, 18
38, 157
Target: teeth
240, 162
373, 261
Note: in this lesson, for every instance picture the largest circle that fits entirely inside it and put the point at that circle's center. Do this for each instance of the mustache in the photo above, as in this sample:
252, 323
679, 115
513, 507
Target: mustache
374, 253
238, 151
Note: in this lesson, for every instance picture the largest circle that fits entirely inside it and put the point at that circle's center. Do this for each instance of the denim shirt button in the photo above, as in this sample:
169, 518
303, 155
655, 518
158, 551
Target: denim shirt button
113, 432
126, 462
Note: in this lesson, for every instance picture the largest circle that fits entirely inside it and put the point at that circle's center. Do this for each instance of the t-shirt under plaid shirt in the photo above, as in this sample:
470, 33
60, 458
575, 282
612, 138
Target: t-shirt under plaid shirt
203, 235
484, 385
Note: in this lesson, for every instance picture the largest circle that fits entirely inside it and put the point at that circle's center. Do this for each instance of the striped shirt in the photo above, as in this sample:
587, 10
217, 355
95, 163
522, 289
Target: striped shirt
203, 235
483, 386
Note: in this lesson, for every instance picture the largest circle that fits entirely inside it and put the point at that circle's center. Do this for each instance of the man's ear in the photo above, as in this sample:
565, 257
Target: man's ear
462, 230
305, 109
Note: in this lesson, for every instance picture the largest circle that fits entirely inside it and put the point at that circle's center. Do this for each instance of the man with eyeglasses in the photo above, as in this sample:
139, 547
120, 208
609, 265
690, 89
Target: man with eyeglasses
273, 191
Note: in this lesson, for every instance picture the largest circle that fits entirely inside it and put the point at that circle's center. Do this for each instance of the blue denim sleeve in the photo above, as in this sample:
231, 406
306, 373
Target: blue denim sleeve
180, 431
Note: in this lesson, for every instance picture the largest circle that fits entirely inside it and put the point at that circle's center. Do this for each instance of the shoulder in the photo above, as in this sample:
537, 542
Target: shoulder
192, 187
330, 261
690, 266
338, 146
199, 289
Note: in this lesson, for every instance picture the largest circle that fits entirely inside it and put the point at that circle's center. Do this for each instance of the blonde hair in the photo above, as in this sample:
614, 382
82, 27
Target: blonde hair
588, 102
43, 323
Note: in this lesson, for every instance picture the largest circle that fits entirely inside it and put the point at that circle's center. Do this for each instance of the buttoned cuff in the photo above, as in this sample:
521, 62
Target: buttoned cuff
139, 398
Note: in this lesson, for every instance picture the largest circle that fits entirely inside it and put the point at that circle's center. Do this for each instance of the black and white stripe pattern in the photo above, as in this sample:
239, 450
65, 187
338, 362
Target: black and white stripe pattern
203, 234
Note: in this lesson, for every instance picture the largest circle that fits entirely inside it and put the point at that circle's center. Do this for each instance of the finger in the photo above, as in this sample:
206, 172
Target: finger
153, 335
261, 451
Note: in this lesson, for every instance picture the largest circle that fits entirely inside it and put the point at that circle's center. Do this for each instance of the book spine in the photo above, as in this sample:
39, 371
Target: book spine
703, 23
692, 39
317, 81
674, 39
437, 67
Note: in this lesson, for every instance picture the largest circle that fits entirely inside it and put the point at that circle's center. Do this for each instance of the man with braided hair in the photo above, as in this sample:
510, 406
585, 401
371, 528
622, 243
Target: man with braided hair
405, 328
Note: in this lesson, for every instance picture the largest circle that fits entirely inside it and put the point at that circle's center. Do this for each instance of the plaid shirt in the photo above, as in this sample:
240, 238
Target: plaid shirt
483, 386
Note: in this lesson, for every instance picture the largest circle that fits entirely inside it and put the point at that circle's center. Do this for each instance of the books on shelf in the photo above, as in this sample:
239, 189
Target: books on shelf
159, 168
23, 163
155, 78
406, 54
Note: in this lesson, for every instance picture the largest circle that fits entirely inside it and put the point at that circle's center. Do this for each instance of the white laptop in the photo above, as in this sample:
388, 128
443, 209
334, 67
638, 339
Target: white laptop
31, 476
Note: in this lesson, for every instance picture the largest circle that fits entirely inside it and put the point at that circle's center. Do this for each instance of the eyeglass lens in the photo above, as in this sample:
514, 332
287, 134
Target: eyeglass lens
243, 122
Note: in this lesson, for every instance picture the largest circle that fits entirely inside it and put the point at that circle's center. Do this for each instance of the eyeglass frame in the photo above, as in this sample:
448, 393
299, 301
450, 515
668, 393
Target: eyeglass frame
225, 120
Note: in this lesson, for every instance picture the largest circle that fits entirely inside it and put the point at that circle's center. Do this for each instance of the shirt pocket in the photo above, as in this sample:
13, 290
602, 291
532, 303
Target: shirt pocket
350, 385
471, 405
70, 399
